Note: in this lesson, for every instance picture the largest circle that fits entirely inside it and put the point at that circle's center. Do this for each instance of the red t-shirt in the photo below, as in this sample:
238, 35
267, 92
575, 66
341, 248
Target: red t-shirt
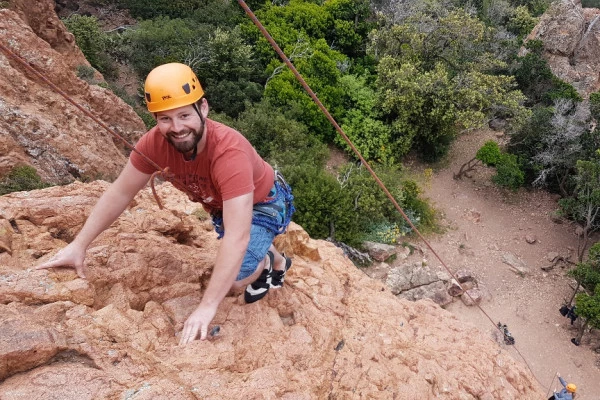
227, 167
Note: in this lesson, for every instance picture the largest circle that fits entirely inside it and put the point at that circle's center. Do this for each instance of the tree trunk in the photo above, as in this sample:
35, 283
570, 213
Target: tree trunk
574, 294
580, 333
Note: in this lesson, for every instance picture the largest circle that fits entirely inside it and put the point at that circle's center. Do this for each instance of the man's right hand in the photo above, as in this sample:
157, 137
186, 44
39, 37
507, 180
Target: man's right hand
71, 256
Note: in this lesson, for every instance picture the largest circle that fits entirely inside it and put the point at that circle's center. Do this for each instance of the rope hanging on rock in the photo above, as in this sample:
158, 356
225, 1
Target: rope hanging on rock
163, 172
310, 92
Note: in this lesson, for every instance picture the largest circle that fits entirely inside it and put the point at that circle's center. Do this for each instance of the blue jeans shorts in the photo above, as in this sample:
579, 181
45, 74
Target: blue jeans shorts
261, 239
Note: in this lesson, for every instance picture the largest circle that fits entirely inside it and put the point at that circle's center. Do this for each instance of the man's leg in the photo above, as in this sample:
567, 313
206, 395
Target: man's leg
257, 267
280, 266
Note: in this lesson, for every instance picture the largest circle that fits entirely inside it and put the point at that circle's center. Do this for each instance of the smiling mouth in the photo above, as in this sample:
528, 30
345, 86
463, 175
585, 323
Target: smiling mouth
179, 136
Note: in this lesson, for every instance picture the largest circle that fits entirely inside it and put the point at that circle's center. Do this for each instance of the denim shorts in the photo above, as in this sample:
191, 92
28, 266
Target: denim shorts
261, 239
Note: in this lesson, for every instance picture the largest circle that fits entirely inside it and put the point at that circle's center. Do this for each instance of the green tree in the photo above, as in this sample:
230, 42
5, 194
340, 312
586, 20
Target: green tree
320, 71
160, 41
436, 78
227, 69
521, 22
588, 308
584, 206
92, 40
362, 124
282, 141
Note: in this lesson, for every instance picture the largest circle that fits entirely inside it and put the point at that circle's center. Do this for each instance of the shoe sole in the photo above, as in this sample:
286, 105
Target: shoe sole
251, 294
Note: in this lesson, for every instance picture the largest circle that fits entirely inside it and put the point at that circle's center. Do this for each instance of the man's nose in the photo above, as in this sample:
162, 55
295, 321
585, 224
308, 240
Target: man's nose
176, 125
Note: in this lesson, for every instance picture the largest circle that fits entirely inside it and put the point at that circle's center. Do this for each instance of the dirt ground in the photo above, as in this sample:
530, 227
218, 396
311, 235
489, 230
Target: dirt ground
483, 223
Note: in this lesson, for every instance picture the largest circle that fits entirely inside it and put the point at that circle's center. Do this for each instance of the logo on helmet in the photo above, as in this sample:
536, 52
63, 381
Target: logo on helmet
166, 97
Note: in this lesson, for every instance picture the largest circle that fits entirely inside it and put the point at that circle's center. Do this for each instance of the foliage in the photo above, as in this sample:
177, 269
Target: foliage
92, 41
588, 307
584, 206
361, 123
587, 273
202, 11
595, 106
320, 71
226, 67
590, 3
537, 81
86, 73
508, 171
489, 154
562, 90
559, 147
21, 178
434, 79
162, 40
280, 140
324, 209
535, 7
521, 22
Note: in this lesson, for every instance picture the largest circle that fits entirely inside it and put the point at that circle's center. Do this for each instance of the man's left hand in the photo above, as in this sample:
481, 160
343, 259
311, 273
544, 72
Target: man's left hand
197, 321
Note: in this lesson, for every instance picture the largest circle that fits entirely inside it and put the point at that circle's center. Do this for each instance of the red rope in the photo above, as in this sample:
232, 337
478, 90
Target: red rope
306, 87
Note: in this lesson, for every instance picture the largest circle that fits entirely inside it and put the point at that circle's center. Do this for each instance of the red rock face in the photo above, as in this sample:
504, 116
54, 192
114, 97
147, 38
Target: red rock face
571, 36
329, 330
39, 127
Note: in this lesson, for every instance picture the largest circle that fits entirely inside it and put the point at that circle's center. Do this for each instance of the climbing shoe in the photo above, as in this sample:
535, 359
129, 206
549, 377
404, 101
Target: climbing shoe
260, 287
279, 276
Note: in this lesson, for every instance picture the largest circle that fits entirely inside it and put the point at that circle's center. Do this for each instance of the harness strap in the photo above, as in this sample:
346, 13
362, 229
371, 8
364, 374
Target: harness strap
267, 214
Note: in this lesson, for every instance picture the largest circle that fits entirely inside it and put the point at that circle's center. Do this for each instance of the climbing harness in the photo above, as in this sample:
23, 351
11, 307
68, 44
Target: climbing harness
274, 214
281, 188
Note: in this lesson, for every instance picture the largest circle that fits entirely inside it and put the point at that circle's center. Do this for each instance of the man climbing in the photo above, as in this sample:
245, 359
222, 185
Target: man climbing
566, 393
249, 202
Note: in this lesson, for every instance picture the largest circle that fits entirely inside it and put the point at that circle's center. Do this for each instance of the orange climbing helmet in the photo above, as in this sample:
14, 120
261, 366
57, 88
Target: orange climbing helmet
571, 388
172, 85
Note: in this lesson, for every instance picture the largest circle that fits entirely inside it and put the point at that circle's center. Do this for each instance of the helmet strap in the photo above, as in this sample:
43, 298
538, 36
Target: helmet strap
195, 152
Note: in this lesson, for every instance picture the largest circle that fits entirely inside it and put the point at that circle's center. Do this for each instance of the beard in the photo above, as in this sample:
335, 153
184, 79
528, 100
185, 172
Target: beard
190, 143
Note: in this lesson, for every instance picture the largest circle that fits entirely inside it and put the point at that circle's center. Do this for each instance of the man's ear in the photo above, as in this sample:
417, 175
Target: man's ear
204, 107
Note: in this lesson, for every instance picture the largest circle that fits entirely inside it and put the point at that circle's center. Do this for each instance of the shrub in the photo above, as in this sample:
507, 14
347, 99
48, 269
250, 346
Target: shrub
86, 73
508, 172
489, 154
90, 39
521, 22
22, 178
324, 209
595, 105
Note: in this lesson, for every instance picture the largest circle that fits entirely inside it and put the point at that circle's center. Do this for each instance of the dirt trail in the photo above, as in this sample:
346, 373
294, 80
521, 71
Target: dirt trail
484, 223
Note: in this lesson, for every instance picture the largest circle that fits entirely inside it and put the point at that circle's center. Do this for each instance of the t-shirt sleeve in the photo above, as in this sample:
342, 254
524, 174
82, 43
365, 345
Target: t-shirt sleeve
137, 160
233, 174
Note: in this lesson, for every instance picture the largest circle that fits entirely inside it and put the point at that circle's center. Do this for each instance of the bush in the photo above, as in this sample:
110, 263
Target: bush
508, 172
595, 105
521, 22
489, 154
324, 209
22, 178
92, 41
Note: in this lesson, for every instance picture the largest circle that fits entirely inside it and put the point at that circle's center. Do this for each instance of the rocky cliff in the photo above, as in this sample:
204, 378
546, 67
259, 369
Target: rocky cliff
40, 127
331, 332
571, 36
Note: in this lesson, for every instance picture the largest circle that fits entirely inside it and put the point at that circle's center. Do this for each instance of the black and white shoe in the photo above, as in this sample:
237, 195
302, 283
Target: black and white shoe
260, 287
279, 276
